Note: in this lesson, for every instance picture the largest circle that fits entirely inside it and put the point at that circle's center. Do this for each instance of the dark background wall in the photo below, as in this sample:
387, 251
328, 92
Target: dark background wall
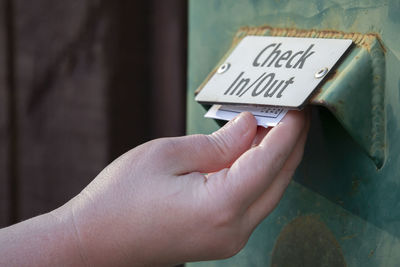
80, 83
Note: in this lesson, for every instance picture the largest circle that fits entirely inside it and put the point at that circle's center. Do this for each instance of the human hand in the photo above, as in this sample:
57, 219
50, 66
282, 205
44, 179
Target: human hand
189, 198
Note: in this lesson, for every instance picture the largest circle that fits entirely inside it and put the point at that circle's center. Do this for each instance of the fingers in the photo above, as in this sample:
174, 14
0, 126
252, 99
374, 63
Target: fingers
261, 133
254, 171
209, 153
270, 198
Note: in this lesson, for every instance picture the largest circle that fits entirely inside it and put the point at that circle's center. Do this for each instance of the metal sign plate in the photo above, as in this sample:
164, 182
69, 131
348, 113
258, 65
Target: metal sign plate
276, 71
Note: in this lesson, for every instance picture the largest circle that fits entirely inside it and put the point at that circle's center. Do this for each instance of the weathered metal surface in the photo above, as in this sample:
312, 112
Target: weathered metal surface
306, 241
336, 182
356, 97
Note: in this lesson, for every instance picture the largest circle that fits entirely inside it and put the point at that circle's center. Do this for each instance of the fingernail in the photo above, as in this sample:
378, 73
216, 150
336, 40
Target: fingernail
235, 119
238, 117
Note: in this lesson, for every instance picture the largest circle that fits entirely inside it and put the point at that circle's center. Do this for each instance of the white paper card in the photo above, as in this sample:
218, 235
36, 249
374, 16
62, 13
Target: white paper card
266, 116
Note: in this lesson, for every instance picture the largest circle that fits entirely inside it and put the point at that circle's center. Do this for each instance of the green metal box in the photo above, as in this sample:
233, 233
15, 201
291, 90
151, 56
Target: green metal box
343, 207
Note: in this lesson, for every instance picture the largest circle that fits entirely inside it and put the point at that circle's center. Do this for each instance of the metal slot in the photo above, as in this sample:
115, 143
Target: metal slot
355, 89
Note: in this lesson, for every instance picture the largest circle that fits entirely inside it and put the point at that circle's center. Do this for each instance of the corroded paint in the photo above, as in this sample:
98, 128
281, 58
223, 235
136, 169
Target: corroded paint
307, 241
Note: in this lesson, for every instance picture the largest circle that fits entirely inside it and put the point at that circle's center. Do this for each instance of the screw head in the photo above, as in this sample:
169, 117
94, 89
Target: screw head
223, 68
321, 73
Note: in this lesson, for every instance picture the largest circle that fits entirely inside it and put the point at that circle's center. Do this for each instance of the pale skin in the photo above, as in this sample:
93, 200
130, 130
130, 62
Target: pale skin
168, 201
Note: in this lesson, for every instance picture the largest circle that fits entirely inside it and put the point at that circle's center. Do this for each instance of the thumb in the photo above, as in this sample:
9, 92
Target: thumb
210, 153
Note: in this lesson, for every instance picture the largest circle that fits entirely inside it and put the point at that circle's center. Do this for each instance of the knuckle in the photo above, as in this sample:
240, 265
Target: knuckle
220, 145
229, 232
233, 243
225, 218
235, 248
161, 148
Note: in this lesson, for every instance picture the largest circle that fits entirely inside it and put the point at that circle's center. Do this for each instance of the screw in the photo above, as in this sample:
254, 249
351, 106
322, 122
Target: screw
321, 73
224, 67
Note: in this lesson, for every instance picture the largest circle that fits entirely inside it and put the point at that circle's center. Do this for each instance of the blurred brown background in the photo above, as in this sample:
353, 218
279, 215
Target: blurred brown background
80, 83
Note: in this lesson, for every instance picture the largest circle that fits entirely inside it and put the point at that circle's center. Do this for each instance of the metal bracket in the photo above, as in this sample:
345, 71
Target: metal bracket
355, 89
355, 94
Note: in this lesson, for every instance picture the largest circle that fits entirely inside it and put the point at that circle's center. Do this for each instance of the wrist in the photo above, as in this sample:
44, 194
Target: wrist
45, 240
93, 234
66, 229
104, 237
